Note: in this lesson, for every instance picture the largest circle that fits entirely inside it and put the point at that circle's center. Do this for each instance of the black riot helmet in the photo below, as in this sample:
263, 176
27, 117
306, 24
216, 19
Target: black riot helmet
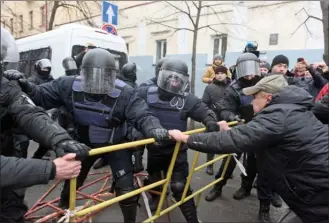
70, 66
43, 67
98, 72
247, 64
173, 76
129, 71
9, 51
158, 66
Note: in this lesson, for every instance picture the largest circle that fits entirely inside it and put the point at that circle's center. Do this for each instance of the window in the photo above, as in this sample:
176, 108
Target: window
21, 23
161, 49
31, 19
127, 45
120, 57
274, 38
27, 59
12, 25
220, 45
42, 16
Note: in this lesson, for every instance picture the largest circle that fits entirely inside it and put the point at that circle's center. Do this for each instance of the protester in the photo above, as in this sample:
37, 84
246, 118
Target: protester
209, 74
212, 95
290, 143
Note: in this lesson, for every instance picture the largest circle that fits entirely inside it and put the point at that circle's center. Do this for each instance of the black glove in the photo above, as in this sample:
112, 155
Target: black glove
26, 86
13, 75
72, 146
234, 118
159, 134
212, 127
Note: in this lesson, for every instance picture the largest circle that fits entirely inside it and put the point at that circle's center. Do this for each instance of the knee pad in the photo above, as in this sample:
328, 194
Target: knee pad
124, 185
177, 189
130, 200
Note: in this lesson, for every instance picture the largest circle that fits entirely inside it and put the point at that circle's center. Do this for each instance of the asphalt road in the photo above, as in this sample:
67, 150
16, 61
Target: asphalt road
224, 209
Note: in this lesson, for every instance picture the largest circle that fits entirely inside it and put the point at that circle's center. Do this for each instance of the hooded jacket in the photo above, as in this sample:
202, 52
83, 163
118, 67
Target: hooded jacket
291, 146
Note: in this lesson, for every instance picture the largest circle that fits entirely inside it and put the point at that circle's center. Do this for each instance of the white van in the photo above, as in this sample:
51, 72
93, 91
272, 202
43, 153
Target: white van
67, 40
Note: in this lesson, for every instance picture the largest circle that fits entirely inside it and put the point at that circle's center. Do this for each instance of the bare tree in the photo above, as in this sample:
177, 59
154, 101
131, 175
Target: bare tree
81, 7
194, 20
324, 20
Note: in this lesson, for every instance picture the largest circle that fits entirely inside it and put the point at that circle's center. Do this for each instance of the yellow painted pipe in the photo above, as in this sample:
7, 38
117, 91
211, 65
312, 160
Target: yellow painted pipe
73, 194
210, 162
189, 177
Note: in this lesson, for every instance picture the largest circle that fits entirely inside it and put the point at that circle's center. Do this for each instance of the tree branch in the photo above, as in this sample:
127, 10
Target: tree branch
175, 28
189, 13
305, 21
226, 23
182, 11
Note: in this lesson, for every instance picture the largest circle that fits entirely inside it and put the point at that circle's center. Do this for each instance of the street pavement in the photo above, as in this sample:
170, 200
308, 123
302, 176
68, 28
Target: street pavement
224, 209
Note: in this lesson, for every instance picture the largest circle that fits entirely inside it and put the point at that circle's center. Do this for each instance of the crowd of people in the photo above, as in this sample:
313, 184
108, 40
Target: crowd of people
282, 131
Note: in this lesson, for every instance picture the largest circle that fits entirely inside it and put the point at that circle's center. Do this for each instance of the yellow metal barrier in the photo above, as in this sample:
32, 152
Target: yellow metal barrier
166, 181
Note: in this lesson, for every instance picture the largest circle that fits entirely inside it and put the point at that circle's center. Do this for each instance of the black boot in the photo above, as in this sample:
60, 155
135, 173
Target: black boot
215, 192
129, 212
210, 170
276, 200
241, 193
264, 212
189, 211
99, 163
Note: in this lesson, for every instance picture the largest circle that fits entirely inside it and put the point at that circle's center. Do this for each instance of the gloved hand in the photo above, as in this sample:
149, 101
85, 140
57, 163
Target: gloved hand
26, 86
159, 134
234, 118
212, 127
72, 146
13, 75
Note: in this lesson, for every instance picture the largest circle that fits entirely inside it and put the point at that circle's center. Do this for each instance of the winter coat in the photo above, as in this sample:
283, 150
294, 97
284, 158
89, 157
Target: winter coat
209, 74
321, 109
291, 146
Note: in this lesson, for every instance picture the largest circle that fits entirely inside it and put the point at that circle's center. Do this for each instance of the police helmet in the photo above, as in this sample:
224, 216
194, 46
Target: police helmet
98, 72
129, 70
247, 64
43, 67
158, 66
173, 76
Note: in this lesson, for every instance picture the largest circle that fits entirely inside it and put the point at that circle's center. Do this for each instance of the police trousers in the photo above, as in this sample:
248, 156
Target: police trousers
121, 166
264, 192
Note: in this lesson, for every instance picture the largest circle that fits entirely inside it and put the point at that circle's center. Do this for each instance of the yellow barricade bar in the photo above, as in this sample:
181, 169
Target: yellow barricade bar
166, 181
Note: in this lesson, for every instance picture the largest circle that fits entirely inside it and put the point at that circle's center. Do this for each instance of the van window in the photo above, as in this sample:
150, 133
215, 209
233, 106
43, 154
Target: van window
120, 57
27, 59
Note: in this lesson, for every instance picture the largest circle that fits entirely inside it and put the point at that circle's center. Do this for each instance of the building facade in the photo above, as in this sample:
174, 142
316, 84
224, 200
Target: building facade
154, 29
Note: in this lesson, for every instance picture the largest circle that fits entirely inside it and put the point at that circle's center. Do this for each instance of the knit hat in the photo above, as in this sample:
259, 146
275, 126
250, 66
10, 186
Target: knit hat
280, 59
265, 65
221, 69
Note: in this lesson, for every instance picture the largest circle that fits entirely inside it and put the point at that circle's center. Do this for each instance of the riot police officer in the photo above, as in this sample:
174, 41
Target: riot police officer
153, 81
16, 109
170, 102
129, 74
42, 74
101, 106
70, 66
234, 107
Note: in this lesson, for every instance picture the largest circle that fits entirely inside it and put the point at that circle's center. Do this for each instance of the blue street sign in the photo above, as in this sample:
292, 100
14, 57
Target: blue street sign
110, 29
109, 13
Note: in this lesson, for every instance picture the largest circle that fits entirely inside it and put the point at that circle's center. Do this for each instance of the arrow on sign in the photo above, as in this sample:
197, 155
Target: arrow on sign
110, 14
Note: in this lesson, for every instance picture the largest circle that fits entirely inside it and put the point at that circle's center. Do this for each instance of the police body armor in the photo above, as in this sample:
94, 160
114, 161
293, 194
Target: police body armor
170, 117
95, 120
245, 110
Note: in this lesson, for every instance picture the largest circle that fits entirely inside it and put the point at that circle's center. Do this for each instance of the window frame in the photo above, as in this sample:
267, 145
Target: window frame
161, 49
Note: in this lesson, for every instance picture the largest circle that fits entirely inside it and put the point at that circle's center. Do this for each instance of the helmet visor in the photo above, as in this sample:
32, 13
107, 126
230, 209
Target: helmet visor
97, 80
172, 82
70, 65
248, 67
44, 64
9, 51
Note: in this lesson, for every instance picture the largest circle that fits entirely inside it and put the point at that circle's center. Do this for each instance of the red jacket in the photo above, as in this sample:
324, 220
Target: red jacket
323, 92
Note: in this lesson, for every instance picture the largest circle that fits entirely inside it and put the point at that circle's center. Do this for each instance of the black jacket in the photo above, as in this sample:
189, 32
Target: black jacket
291, 146
37, 80
129, 107
214, 92
18, 111
321, 109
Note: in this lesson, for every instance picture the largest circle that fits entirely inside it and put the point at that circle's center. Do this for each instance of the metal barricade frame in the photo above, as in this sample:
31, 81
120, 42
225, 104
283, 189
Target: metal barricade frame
72, 215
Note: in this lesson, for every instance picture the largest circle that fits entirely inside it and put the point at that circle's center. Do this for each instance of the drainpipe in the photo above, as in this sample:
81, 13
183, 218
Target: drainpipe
46, 6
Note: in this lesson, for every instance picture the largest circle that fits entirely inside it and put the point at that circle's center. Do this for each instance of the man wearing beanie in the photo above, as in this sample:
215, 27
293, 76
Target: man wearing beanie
264, 68
291, 146
212, 95
313, 85
209, 74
